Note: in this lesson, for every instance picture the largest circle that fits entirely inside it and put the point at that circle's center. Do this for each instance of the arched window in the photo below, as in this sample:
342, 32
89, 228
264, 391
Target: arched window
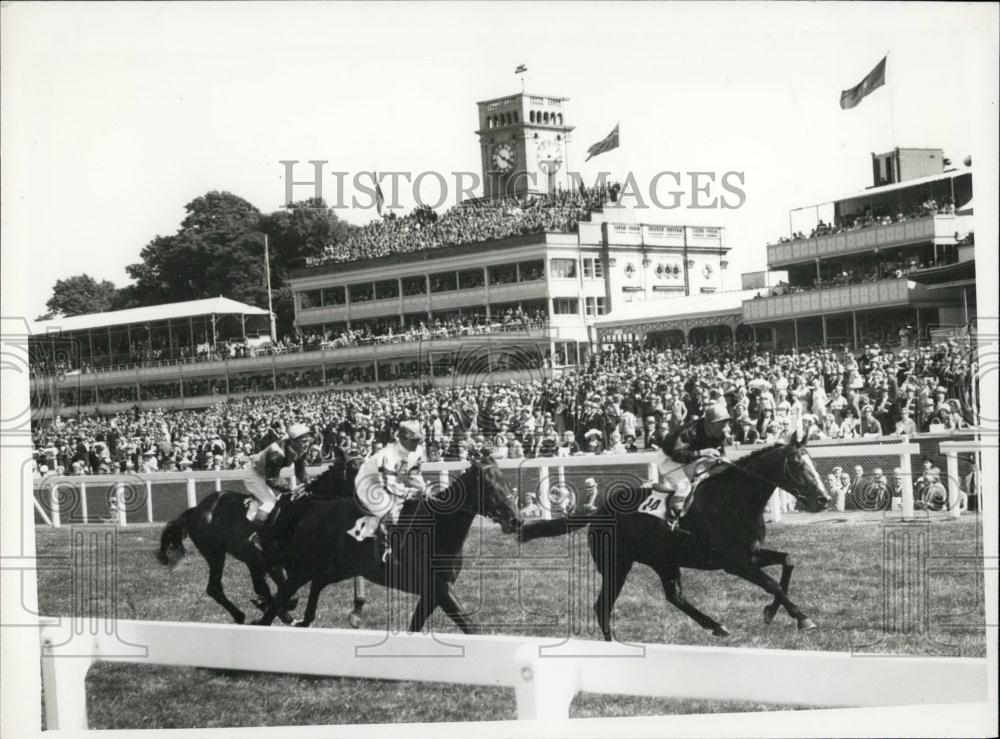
531, 116
506, 119
560, 119
516, 117
545, 117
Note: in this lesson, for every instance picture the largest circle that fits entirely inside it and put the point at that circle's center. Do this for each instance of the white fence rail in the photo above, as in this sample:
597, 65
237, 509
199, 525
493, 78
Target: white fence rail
546, 674
551, 471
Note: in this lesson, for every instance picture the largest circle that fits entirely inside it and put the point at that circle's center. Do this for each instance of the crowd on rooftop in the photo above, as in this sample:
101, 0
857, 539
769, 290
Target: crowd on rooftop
873, 216
470, 223
623, 400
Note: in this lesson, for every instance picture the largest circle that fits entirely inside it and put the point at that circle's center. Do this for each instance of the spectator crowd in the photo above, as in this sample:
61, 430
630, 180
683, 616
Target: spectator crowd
621, 401
470, 223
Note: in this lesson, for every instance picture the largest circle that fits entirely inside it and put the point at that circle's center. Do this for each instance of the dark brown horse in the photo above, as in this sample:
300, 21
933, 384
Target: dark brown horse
725, 526
428, 543
218, 526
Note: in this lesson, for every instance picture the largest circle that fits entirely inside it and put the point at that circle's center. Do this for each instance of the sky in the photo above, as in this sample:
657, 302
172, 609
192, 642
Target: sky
117, 115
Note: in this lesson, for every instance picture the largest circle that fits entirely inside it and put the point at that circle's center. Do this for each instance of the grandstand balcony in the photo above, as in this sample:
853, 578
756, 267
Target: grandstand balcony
845, 298
938, 229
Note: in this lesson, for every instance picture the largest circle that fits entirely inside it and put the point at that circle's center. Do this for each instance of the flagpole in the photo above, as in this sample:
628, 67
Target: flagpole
892, 106
270, 307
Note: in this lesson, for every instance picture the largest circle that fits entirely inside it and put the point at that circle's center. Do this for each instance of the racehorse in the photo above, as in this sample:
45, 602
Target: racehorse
427, 545
724, 531
218, 526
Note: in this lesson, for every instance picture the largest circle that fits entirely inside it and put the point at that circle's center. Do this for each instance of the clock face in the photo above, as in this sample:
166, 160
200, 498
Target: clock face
503, 157
549, 151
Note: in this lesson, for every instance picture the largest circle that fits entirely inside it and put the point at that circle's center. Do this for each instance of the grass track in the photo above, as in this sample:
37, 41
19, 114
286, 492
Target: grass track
839, 581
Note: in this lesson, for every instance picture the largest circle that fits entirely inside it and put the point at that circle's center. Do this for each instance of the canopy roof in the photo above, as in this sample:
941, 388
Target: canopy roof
721, 304
148, 314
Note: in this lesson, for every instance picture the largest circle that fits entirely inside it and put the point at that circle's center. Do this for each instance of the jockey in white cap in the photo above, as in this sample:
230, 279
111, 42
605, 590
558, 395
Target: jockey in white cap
263, 476
391, 475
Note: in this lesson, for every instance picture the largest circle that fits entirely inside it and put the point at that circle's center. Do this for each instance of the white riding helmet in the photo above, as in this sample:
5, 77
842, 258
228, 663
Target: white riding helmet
298, 430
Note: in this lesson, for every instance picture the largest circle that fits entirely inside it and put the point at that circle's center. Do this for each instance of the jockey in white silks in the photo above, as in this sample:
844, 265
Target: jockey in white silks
263, 477
388, 478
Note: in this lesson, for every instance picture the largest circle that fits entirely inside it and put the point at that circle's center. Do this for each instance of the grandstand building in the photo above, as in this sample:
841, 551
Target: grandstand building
525, 304
895, 264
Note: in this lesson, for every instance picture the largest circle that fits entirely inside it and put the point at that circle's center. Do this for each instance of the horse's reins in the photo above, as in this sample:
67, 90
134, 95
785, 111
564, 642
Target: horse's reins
794, 478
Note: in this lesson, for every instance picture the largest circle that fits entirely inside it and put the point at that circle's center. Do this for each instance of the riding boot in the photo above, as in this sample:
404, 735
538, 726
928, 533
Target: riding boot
262, 537
672, 519
382, 549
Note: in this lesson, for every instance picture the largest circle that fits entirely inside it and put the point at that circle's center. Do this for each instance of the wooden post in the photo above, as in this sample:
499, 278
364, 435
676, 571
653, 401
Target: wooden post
543, 493
54, 505
149, 501
120, 504
906, 485
775, 504
83, 502
953, 486
192, 499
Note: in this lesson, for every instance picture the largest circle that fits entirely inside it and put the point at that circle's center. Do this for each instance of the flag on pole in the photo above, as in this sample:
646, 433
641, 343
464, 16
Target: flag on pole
608, 143
379, 197
874, 80
521, 69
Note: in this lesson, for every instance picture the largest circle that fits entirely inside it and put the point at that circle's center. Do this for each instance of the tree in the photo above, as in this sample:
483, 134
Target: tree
217, 251
296, 233
81, 294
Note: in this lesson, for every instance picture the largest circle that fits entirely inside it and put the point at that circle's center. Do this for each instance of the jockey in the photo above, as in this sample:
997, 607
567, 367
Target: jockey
390, 476
263, 479
680, 453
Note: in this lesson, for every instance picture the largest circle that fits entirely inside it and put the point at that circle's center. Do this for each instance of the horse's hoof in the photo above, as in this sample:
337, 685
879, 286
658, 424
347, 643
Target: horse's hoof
239, 617
300, 623
806, 624
258, 622
720, 631
355, 620
769, 614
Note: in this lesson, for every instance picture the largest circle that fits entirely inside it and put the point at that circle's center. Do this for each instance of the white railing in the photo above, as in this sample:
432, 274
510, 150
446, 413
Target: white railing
546, 674
551, 472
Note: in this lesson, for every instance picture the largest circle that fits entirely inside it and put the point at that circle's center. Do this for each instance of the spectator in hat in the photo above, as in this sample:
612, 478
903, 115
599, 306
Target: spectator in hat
594, 441
869, 426
590, 495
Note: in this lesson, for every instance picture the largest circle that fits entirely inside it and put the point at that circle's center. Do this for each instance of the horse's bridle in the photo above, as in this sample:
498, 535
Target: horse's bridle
795, 479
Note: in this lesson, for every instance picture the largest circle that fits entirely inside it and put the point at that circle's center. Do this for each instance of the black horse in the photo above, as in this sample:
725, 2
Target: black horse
218, 526
726, 532
427, 542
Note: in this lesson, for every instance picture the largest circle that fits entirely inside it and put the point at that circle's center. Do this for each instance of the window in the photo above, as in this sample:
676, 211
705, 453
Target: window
361, 292
595, 306
311, 299
444, 281
565, 306
386, 289
416, 285
593, 268
503, 274
531, 271
470, 279
563, 269
334, 295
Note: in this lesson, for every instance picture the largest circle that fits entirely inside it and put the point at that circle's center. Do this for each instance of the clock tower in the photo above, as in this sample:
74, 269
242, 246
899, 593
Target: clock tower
523, 141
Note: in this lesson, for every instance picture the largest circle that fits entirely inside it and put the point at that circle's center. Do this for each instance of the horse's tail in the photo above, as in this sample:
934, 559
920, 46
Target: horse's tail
554, 527
172, 538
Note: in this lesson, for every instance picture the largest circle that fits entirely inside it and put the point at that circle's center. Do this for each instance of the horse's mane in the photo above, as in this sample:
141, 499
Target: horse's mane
758, 453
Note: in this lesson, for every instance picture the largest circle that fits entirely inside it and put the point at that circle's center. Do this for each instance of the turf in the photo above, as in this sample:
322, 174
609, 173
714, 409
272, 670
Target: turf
848, 578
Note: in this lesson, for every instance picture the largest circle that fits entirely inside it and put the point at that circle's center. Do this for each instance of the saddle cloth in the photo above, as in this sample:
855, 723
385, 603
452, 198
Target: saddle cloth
364, 528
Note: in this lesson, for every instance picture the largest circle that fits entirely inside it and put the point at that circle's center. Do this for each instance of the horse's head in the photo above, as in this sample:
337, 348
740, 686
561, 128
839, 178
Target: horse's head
494, 499
797, 474
337, 480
